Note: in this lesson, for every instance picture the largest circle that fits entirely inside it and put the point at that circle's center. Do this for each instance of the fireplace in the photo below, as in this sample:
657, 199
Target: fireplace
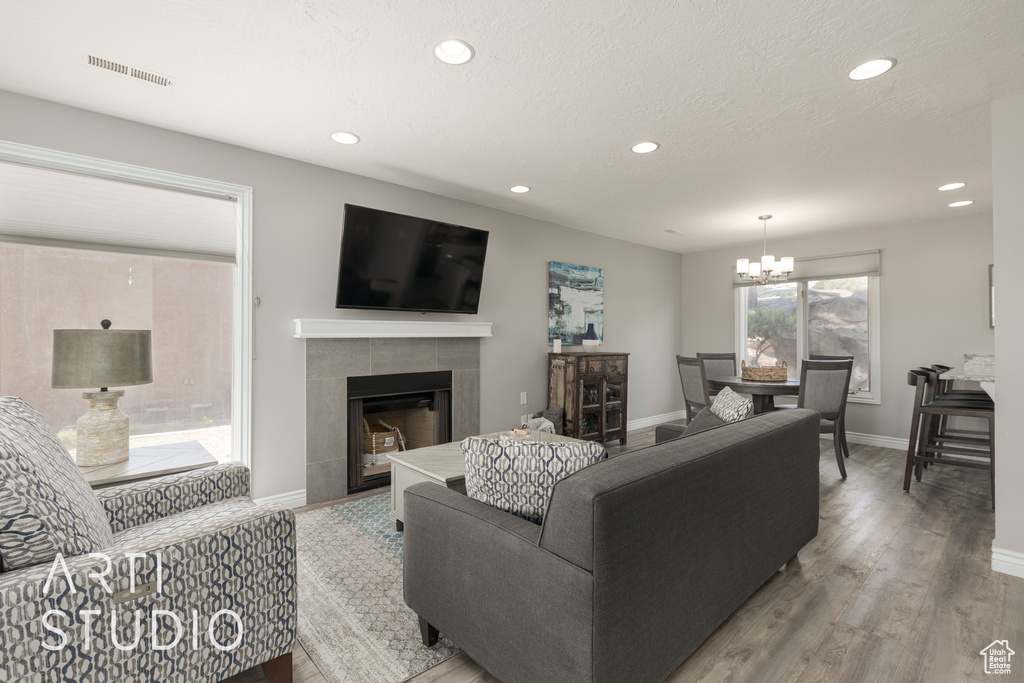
417, 405
330, 362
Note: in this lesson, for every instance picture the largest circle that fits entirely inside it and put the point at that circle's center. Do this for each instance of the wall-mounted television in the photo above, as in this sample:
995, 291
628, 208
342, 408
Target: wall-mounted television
401, 263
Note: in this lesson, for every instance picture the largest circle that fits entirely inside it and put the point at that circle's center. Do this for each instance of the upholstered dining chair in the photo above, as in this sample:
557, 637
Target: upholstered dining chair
842, 418
717, 365
824, 385
695, 387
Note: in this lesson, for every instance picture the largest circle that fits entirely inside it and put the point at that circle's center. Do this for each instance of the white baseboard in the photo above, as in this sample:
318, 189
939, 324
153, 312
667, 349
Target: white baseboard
292, 499
876, 440
1007, 561
654, 420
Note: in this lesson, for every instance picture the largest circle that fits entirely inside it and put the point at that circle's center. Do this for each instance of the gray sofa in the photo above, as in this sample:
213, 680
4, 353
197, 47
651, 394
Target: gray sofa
639, 559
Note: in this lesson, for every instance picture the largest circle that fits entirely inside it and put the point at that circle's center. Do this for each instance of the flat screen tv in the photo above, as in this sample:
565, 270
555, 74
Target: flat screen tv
401, 263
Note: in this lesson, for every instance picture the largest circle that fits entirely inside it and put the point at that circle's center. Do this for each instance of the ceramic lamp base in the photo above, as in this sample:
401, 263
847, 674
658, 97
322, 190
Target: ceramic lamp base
591, 344
102, 433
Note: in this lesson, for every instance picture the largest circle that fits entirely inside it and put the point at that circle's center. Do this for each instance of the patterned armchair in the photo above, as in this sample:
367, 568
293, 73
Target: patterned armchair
181, 579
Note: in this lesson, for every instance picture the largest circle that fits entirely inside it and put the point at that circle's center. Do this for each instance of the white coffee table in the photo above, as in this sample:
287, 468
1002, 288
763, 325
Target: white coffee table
443, 465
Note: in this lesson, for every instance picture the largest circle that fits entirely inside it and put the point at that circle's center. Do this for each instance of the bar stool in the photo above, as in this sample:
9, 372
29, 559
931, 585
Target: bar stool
940, 392
925, 447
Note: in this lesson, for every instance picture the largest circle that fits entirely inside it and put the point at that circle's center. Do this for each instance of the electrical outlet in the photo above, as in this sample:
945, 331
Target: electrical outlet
522, 398
524, 419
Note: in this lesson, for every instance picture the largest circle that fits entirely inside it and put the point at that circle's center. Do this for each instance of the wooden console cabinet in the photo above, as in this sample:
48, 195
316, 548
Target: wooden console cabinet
590, 390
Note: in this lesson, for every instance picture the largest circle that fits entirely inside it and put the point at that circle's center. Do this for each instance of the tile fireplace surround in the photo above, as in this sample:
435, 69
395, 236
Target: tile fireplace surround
329, 364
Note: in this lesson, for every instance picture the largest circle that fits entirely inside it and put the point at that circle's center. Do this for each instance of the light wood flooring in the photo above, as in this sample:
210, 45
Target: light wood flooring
895, 587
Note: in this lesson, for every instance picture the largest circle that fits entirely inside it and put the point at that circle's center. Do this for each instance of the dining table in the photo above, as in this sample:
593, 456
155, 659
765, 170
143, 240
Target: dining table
763, 393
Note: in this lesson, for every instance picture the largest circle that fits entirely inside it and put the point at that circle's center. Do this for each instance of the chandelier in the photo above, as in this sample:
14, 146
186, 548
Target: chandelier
767, 270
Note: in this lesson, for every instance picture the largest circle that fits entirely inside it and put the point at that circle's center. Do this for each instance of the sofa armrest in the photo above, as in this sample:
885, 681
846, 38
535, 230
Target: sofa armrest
243, 562
478, 575
142, 502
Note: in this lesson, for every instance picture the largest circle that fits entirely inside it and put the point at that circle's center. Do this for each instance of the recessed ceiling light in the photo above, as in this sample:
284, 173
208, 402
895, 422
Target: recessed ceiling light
951, 186
876, 67
965, 202
645, 147
454, 51
519, 188
343, 138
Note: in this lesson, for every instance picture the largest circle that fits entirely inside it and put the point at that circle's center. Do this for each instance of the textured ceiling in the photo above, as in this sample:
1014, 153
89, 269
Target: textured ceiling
749, 99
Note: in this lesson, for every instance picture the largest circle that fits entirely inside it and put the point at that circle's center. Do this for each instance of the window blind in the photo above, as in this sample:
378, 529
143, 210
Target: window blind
61, 209
856, 264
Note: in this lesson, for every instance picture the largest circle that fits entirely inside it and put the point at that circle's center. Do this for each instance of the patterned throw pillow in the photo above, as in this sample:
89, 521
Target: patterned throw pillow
731, 407
46, 506
519, 476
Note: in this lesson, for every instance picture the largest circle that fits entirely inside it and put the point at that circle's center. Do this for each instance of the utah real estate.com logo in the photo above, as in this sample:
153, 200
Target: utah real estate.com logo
997, 657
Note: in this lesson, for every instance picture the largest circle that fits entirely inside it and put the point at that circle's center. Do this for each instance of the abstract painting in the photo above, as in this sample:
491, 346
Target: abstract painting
575, 300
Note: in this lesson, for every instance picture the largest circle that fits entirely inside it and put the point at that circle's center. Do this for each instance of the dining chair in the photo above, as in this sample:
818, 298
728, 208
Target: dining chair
824, 385
695, 386
842, 418
924, 448
717, 365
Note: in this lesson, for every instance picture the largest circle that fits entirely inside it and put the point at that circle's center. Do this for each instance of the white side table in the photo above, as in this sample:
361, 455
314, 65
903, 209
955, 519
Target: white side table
150, 462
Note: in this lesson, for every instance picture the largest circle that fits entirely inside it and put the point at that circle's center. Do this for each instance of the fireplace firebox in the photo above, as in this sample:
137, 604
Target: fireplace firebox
417, 404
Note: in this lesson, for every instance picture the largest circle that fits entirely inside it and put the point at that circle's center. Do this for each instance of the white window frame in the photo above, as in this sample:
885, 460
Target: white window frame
874, 336
242, 309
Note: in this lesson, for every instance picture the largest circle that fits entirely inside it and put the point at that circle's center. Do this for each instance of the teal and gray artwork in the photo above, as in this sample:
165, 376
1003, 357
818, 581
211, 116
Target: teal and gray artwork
575, 302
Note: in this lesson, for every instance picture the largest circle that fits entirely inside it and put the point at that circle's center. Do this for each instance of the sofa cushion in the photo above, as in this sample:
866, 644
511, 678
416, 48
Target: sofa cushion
46, 506
731, 407
518, 476
705, 419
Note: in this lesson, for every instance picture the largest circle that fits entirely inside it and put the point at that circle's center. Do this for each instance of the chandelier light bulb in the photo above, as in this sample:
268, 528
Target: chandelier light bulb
768, 270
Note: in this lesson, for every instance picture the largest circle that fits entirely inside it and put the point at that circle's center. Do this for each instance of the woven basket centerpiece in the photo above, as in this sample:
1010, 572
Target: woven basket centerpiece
380, 438
757, 373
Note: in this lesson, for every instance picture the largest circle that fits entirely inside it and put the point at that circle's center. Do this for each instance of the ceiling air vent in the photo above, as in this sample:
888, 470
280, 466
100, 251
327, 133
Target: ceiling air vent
126, 70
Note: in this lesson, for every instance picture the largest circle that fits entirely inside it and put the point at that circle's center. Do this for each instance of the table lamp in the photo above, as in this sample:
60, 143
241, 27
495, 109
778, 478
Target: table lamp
101, 358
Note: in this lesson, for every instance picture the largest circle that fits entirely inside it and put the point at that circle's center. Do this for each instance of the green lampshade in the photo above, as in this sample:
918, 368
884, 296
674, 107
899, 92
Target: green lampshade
84, 359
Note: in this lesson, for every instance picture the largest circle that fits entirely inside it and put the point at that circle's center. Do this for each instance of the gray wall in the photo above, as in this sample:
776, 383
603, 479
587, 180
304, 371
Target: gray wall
1007, 219
934, 301
298, 212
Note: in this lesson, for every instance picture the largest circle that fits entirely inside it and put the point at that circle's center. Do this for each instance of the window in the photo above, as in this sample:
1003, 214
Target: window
832, 317
186, 303
83, 239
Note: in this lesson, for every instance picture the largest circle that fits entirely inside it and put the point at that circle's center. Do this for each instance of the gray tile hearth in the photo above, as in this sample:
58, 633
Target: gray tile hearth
465, 403
326, 480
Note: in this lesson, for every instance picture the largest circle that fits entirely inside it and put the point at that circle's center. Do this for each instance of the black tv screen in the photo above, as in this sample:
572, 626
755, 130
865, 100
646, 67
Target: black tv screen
401, 263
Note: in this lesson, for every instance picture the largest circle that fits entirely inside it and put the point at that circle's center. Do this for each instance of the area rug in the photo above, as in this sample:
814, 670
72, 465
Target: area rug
353, 622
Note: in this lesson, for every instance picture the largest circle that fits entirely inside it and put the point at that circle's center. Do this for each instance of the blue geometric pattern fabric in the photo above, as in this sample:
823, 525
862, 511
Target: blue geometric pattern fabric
145, 501
217, 551
46, 506
519, 476
731, 407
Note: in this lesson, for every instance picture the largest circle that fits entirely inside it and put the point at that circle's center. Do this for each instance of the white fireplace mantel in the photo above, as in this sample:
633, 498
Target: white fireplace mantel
333, 328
